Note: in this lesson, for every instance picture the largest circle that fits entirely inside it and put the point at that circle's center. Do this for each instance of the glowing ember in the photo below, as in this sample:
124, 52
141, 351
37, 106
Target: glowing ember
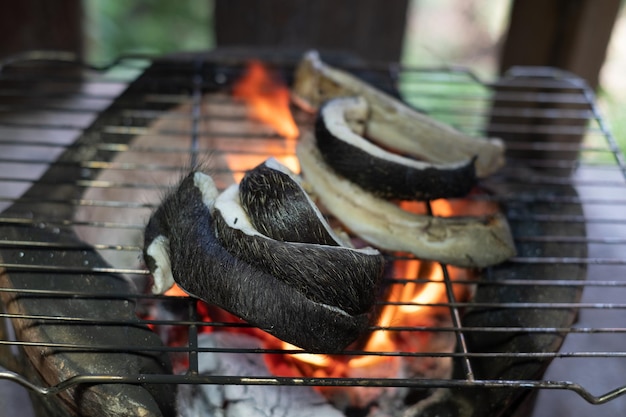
175, 291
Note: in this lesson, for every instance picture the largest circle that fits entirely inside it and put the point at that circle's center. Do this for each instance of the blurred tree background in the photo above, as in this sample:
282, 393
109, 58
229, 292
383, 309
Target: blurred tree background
114, 28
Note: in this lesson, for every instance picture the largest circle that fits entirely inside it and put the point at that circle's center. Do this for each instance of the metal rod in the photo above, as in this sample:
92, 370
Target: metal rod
193, 339
193, 310
455, 315
346, 382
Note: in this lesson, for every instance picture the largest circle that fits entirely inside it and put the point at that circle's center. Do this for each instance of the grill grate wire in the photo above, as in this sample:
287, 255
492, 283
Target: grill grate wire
38, 124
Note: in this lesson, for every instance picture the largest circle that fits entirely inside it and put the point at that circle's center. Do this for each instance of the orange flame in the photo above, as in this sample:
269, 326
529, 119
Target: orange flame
268, 100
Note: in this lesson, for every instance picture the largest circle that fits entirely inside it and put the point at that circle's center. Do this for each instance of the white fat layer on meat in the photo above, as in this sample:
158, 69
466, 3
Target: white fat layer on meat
158, 250
207, 188
229, 206
336, 114
274, 164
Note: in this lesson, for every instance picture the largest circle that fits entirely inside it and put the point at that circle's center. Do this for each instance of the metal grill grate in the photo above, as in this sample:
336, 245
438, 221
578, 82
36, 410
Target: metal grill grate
70, 159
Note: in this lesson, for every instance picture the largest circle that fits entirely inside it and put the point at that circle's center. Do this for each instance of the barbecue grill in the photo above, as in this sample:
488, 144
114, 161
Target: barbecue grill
77, 188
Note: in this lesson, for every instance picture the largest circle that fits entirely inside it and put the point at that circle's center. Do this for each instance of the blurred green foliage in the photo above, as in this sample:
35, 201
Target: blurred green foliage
114, 28
613, 110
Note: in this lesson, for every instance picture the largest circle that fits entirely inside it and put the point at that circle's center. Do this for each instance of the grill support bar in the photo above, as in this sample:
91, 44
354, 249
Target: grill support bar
319, 382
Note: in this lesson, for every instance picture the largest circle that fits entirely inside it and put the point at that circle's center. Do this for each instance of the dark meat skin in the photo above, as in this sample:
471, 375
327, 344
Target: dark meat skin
205, 269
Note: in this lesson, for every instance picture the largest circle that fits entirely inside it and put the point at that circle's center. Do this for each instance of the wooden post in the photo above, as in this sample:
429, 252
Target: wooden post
569, 34
41, 24
370, 29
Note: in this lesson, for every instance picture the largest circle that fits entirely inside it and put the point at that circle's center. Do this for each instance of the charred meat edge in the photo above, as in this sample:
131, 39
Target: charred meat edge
183, 226
392, 123
459, 241
383, 173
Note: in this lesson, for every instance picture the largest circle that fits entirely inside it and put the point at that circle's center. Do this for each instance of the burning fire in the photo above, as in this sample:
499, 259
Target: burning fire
268, 101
